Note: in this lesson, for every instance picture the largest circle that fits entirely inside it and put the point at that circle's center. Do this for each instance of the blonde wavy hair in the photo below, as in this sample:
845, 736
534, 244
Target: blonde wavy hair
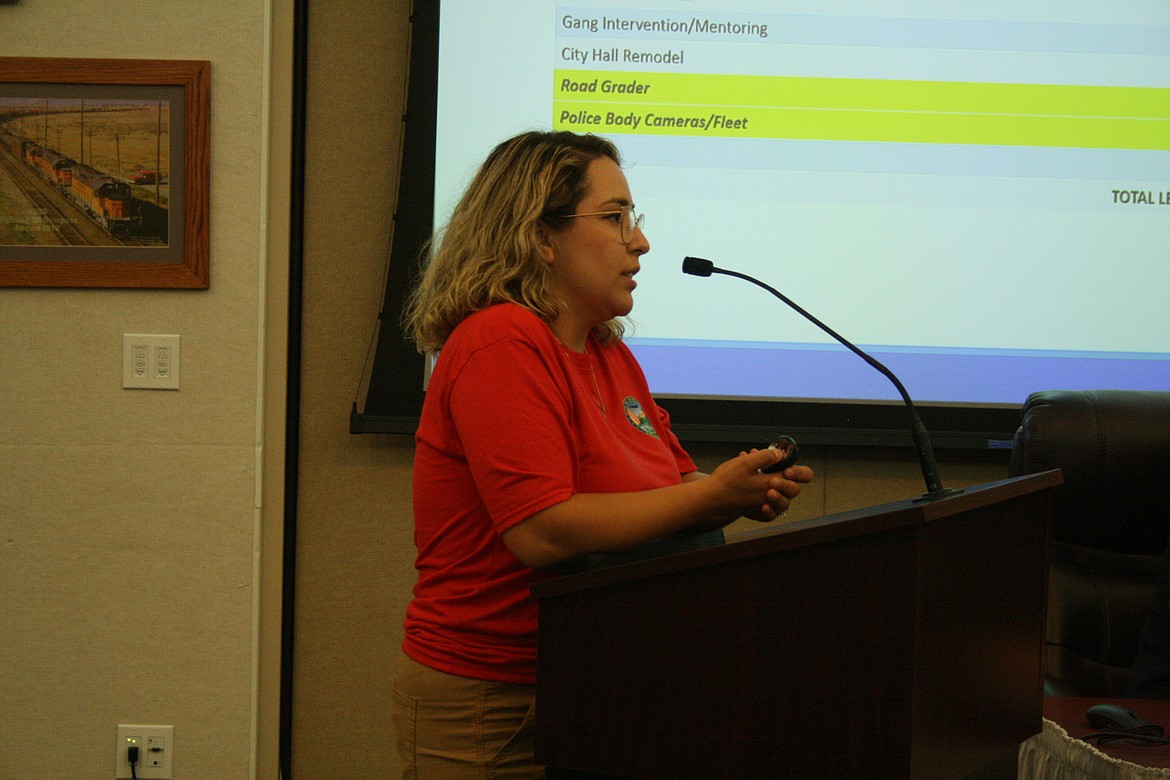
489, 252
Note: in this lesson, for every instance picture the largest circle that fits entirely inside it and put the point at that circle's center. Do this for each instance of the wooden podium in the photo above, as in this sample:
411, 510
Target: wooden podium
903, 640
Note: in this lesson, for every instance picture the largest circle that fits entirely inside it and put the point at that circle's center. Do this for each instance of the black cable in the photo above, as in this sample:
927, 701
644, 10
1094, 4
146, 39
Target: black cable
1149, 734
132, 758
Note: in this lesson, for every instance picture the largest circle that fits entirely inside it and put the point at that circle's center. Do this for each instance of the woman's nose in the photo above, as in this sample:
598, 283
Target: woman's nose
638, 242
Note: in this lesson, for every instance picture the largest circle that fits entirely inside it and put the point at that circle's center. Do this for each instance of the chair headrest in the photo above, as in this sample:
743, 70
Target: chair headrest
1114, 449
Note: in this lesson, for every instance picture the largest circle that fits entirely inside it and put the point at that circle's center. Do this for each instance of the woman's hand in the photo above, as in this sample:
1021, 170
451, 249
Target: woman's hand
782, 491
759, 496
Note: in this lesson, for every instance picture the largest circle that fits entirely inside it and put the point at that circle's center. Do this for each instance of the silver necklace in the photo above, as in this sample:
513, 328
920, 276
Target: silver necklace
593, 373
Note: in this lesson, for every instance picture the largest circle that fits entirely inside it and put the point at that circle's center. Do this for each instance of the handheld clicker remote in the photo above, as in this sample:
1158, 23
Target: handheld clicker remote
787, 445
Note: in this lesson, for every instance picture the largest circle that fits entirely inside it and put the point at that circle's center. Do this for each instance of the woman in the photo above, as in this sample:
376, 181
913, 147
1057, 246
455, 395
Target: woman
539, 441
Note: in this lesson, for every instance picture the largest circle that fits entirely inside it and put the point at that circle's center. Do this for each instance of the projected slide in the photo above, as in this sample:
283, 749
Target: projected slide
976, 193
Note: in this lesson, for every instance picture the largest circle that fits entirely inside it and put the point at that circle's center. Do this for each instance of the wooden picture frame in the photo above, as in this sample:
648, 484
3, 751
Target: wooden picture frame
104, 173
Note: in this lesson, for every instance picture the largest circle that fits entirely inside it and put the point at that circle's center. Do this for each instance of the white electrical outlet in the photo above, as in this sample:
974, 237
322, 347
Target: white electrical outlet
150, 361
156, 748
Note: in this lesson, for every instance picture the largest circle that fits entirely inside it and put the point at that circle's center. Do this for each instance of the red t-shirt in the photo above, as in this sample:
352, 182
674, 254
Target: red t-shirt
513, 423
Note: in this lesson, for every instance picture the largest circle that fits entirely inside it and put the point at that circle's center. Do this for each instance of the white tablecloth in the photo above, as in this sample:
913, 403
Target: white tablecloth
1054, 755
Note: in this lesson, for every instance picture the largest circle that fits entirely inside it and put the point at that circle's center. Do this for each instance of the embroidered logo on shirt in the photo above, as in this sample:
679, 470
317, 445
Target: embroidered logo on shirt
637, 416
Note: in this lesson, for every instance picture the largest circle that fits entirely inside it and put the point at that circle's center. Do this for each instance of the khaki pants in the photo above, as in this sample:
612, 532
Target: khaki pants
457, 728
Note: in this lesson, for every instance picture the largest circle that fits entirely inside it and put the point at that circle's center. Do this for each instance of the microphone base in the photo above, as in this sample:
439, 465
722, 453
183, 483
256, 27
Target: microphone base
935, 495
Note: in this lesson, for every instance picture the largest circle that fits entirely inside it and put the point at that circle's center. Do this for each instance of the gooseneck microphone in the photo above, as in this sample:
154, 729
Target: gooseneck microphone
697, 266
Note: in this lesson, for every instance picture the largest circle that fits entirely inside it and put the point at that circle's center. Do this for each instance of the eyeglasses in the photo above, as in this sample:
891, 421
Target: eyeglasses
630, 220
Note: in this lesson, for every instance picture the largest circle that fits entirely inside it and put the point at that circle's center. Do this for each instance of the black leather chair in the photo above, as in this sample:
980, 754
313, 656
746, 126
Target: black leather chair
1110, 522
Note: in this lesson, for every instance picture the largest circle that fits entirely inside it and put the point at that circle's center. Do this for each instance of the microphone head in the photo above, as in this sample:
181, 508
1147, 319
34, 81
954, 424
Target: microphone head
697, 266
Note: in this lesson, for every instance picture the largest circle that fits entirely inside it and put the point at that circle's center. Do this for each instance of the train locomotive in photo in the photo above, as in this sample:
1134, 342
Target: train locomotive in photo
55, 167
106, 198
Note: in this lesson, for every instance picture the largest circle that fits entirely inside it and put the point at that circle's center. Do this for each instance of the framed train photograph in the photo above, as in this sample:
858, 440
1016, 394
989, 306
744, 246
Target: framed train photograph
104, 173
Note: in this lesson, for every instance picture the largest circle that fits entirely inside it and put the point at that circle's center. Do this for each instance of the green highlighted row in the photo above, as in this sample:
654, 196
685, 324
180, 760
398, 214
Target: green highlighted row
862, 109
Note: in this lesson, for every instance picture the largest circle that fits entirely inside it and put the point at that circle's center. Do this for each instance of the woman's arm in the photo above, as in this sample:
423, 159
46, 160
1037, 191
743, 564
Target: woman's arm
608, 522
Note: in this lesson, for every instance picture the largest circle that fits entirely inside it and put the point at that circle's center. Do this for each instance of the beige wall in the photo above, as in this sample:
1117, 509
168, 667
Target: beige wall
131, 561
135, 527
354, 539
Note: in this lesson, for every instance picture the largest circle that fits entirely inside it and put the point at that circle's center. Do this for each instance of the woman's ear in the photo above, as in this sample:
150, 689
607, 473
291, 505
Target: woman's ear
544, 243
